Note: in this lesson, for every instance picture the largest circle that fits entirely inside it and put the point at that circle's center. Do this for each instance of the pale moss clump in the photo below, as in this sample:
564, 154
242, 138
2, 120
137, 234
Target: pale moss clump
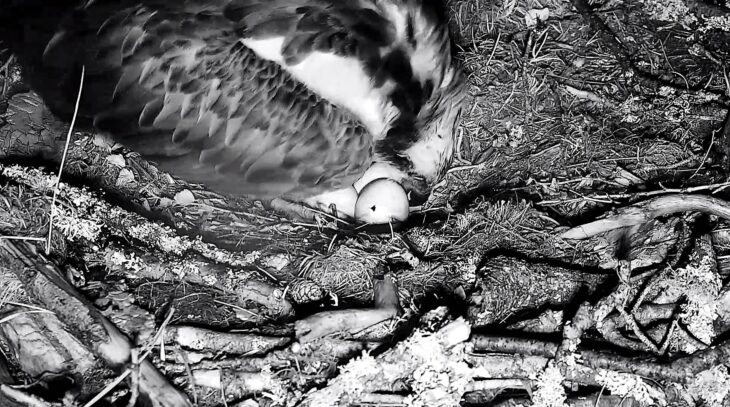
699, 285
513, 138
129, 263
184, 269
276, 389
679, 109
716, 23
162, 236
440, 379
549, 390
223, 256
630, 385
350, 373
75, 227
711, 386
629, 108
673, 11
350, 382
468, 269
431, 364
82, 215
34, 178
210, 279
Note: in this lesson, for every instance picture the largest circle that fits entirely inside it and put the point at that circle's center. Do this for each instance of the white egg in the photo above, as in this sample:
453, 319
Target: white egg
382, 201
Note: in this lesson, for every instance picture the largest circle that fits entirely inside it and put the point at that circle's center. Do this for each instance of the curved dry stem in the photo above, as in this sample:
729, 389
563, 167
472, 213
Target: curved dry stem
653, 208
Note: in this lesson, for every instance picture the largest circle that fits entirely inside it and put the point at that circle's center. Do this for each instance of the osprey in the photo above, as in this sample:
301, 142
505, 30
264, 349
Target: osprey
263, 98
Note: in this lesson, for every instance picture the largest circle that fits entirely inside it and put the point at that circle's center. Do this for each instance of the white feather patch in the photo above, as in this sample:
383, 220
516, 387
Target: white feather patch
340, 80
435, 146
269, 48
429, 153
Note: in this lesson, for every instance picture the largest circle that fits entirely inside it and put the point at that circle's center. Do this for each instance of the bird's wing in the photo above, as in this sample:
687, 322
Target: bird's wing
173, 81
380, 59
346, 28
387, 61
335, 47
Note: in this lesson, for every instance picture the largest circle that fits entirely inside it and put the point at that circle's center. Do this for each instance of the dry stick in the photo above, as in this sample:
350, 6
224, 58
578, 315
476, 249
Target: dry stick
20, 398
351, 321
134, 385
668, 337
648, 210
63, 160
191, 380
609, 198
631, 322
136, 365
707, 154
109, 387
494, 49
30, 238
682, 370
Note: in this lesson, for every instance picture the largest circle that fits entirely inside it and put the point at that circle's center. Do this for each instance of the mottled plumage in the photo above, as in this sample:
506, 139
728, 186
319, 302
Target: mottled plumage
266, 98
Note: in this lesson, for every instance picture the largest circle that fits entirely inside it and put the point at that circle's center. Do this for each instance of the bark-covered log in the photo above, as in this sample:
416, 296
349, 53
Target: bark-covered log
42, 345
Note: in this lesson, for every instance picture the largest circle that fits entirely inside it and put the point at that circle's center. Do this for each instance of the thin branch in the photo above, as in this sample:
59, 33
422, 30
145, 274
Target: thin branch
648, 210
63, 160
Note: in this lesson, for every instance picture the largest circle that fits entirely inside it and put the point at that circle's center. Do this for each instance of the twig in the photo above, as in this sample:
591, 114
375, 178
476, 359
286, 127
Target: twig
494, 49
648, 210
134, 382
681, 370
609, 198
668, 338
631, 322
63, 160
17, 314
109, 387
191, 380
135, 368
22, 398
707, 154
29, 238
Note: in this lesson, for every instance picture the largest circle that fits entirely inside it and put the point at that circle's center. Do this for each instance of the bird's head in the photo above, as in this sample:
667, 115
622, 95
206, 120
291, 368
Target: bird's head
436, 129
429, 95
